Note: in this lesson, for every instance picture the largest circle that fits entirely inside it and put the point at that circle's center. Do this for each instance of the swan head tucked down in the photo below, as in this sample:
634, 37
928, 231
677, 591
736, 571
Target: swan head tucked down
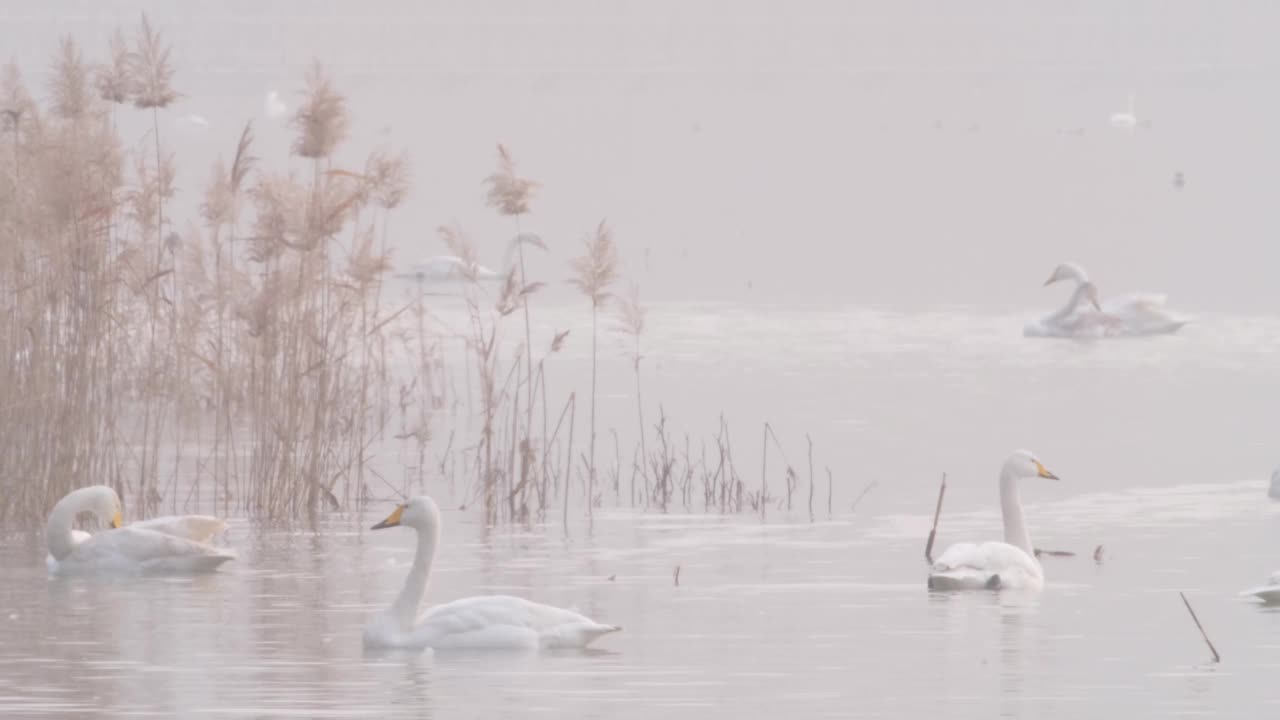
1024, 464
1068, 271
100, 500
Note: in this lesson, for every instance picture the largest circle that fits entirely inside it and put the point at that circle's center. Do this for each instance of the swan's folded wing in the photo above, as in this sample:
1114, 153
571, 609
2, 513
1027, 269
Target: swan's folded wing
200, 528
132, 549
1135, 302
991, 557
505, 621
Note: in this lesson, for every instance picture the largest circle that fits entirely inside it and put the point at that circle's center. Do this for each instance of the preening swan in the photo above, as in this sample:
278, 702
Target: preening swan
482, 622
200, 528
136, 549
1132, 314
1081, 317
997, 565
1269, 593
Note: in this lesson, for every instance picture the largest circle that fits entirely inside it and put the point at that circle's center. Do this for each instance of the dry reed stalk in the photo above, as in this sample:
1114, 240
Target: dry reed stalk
1203, 634
593, 275
937, 513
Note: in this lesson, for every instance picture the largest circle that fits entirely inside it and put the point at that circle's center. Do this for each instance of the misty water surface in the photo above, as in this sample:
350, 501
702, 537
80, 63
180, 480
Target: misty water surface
842, 217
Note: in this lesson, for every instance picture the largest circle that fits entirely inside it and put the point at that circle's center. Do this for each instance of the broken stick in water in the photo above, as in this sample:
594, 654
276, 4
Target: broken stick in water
1203, 634
937, 512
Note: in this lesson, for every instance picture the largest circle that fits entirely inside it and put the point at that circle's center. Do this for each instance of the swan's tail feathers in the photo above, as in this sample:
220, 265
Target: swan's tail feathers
578, 635
1269, 594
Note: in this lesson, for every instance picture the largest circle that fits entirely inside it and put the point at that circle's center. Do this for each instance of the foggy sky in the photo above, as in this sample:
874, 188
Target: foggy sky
904, 155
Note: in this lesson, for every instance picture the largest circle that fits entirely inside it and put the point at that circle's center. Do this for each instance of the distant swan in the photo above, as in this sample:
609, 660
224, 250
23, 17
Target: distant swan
123, 550
1080, 317
1269, 593
273, 106
481, 622
1004, 565
1127, 119
1134, 314
447, 268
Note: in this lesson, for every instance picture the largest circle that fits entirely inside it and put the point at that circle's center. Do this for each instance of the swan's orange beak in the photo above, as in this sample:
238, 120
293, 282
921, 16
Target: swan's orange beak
117, 520
1043, 472
392, 520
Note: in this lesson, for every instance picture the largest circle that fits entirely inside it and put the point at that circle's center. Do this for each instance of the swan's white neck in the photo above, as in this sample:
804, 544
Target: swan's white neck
405, 608
57, 530
1015, 528
1072, 303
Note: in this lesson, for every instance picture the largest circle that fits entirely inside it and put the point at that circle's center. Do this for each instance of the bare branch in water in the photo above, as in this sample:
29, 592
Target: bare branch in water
1203, 634
937, 512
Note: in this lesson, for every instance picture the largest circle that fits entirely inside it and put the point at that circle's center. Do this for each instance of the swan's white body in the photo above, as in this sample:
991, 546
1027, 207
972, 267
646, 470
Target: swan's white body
1008, 565
1131, 315
1127, 119
133, 550
1269, 593
447, 268
199, 528
489, 622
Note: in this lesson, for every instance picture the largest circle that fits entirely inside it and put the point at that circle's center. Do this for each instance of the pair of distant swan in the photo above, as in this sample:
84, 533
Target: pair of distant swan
179, 545
1085, 316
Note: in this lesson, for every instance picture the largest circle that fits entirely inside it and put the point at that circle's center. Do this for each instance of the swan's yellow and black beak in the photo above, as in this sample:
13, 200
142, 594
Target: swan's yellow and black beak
117, 520
392, 520
1043, 472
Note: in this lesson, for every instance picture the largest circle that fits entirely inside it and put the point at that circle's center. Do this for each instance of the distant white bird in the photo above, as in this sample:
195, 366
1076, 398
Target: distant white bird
1134, 313
194, 120
447, 268
1127, 119
273, 106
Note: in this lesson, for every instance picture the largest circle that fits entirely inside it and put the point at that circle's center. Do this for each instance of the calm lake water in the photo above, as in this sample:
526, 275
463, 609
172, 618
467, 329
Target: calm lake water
823, 618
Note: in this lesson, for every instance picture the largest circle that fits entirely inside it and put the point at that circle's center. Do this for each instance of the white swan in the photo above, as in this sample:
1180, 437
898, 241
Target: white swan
482, 622
997, 565
273, 106
1127, 119
123, 550
200, 528
447, 268
1080, 317
1269, 593
1134, 313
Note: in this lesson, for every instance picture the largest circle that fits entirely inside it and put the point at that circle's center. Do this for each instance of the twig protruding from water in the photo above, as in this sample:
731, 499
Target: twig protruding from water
1203, 634
937, 512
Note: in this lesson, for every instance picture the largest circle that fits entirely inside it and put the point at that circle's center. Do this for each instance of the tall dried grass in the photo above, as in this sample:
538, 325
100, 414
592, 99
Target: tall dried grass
245, 357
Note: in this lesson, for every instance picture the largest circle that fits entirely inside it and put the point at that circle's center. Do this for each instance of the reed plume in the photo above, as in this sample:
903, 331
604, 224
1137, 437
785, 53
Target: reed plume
594, 273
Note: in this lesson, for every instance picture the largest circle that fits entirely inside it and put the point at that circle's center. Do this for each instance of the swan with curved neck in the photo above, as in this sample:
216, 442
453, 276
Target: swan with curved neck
156, 546
481, 622
1081, 316
1133, 314
997, 565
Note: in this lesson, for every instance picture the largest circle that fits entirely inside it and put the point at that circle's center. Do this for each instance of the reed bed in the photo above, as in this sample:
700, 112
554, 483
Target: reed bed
248, 360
